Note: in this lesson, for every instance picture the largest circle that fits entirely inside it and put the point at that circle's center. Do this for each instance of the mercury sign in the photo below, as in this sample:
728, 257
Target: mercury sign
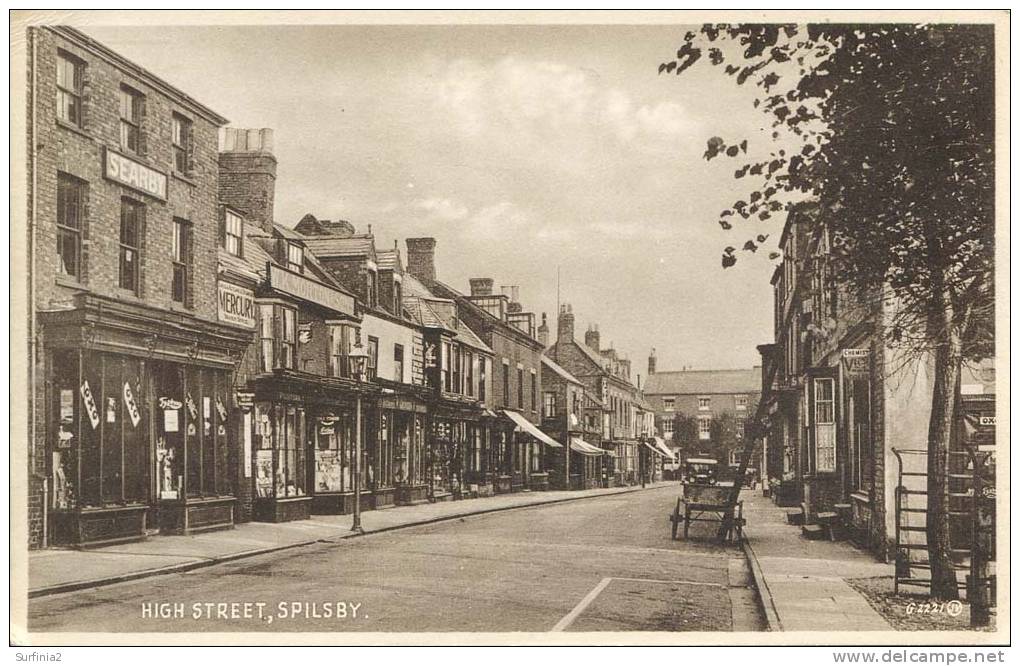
236, 305
134, 174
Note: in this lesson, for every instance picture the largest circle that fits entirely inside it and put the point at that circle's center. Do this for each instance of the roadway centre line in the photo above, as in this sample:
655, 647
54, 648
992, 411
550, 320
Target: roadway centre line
569, 618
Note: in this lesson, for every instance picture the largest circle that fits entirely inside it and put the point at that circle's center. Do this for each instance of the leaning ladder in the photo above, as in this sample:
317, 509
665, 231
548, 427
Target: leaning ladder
905, 566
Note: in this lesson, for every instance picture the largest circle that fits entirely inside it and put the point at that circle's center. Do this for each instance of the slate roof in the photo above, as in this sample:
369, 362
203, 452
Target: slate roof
559, 370
689, 382
334, 246
416, 301
389, 260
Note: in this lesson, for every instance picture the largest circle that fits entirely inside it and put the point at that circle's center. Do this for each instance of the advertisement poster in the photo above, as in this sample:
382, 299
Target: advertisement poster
90, 404
132, 406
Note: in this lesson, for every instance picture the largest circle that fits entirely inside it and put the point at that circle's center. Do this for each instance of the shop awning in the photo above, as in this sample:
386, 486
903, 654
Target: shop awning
650, 445
530, 428
584, 448
661, 445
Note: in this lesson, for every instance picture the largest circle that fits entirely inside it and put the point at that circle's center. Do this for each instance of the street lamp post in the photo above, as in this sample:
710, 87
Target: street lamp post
358, 359
643, 458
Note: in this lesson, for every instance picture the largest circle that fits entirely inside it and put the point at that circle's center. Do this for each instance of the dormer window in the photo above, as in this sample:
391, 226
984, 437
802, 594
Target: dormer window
295, 258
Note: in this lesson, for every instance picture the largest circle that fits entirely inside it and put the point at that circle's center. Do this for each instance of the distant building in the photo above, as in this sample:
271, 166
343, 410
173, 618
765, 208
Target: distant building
703, 411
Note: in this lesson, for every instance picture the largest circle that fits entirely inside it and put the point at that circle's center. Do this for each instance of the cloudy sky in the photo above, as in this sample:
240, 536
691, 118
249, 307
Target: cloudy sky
521, 149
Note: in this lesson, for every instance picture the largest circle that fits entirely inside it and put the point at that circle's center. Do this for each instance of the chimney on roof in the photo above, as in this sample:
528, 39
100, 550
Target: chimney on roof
515, 304
565, 325
421, 259
481, 286
591, 337
543, 332
651, 362
247, 173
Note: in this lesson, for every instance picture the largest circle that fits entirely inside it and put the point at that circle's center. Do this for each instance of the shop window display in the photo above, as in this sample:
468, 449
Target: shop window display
334, 439
279, 458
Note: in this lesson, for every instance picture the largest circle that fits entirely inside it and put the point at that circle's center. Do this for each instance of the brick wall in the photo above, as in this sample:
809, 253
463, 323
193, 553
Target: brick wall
78, 151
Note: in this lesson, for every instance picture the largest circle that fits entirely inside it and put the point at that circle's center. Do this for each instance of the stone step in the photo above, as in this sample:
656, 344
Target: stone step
795, 517
813, 531
826, 517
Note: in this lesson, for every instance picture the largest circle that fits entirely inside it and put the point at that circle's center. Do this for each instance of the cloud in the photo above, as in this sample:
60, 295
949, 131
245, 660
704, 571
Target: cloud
549, 104
442, 208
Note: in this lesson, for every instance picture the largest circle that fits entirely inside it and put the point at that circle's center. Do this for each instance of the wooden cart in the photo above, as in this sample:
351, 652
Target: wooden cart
707, 504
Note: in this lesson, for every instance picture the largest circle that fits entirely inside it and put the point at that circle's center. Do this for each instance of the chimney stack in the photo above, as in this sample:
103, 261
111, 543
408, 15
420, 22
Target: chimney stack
543, 332
591, 338
565, 327
651, 362
421, 259
247, 173
481, 286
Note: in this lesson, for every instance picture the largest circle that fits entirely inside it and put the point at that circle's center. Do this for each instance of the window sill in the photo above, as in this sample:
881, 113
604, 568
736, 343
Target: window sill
71, 127
69, 282
176, 306
184, 178
861, 497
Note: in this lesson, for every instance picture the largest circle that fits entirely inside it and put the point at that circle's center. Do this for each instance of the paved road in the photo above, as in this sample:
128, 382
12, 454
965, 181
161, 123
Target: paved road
601, 564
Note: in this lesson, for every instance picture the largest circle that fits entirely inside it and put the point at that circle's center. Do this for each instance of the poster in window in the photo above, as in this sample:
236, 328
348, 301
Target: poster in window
192, 408
132, 405
246, 427
66, 405
111, 409
170, 420
264, 473
327, 470
90, 404
221, 408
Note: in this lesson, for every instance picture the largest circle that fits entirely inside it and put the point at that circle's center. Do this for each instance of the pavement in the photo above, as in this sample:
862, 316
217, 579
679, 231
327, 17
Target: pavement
602, 563
54, 571
557, 564
802, 583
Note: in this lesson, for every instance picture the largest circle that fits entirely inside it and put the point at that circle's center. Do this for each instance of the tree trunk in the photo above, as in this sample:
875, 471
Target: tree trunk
940, 428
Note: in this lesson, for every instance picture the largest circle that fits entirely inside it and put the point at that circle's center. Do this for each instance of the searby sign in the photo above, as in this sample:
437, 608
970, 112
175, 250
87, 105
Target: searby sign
133, 174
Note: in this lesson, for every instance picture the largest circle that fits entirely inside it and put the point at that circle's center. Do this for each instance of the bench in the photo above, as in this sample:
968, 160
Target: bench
706, 504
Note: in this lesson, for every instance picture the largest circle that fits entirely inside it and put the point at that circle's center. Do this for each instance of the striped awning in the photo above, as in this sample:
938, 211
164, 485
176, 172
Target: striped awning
661, 445
530, 428
584, 448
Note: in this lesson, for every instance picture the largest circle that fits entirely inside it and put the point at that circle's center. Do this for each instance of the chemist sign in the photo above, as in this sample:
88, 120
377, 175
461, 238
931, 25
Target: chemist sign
855, 363
134, 174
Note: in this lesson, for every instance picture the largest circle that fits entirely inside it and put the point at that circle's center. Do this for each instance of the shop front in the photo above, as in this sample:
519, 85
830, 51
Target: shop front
501, 444
138, 416
585, 465
397, 465
531, 462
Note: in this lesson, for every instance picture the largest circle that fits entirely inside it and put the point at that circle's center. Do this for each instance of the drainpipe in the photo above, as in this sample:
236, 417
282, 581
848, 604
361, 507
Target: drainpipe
32, 328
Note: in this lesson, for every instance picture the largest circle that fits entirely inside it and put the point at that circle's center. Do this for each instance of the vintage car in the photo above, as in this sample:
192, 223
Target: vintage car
700, 471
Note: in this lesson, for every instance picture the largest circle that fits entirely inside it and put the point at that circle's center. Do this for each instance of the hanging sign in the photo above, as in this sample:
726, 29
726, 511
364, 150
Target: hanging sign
855, 362
132, 406
304, 334
245, 400
328, 420
90, 404
221, 408
192, 408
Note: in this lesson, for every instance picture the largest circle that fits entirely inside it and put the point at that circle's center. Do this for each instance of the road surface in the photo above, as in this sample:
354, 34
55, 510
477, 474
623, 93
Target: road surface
600, 564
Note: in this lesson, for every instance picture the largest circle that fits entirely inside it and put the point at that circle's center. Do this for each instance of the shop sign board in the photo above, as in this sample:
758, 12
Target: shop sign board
855, 362
236, 305
134, 174
90, 404
301, 287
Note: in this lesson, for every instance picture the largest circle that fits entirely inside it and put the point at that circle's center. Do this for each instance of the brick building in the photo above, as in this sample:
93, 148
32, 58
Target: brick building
607, 377
704, 412
131, 366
